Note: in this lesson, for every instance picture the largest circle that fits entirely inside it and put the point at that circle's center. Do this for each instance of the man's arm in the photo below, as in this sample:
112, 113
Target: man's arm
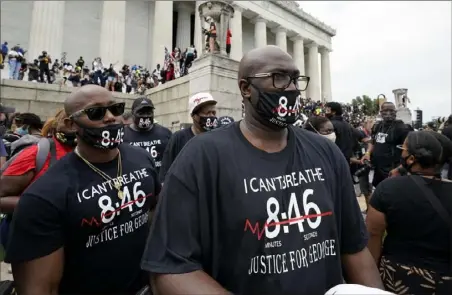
361, 269
197, 282
175, 254
41, 276
35, 246
357, 261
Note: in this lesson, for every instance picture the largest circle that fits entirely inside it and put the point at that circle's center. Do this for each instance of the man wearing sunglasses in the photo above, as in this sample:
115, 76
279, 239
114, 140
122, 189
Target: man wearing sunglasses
145, 133
81, 228
259, 206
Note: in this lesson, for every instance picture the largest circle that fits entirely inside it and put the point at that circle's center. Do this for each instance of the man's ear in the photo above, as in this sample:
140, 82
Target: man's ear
69, 124
245, 88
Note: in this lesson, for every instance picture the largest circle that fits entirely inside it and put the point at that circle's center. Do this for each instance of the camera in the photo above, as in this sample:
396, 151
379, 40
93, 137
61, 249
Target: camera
363, 170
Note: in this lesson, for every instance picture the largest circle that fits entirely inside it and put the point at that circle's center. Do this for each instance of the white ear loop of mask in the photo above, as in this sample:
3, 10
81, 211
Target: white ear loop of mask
314, 128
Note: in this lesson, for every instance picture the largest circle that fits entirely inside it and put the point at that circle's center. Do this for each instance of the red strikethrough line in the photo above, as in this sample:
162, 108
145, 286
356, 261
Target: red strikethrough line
256, 230
108, 214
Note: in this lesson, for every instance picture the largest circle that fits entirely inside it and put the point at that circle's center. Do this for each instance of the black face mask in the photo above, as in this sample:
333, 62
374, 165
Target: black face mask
106, 138
67, 138
405, 165
143, 123
279, 107
208, 122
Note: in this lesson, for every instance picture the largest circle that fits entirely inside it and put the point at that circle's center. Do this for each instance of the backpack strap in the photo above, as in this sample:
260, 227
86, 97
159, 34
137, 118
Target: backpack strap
44, 148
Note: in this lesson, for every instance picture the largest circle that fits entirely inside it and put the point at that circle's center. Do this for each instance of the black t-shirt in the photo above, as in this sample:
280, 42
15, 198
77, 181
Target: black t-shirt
416, 233
103, 237
258, 223
345, 136
385, 138
154, 141
175, 145
43, 61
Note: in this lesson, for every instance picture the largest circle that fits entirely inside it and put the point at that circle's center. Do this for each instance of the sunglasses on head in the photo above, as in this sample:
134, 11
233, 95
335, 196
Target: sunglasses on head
98, 113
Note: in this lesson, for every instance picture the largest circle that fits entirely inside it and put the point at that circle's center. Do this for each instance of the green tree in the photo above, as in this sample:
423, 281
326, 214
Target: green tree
366, 104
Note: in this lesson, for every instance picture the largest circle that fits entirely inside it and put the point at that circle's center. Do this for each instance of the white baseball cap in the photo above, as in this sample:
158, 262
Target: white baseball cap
198, 100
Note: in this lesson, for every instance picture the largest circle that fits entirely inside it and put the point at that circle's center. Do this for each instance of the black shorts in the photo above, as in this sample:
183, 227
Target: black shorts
364, 184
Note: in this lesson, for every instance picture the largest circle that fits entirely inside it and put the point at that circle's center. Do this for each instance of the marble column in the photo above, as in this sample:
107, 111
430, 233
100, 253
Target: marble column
150, 48
260, 32
298, 53
163, 31
46, 30
325, 74
183, 26
281, 38
113, 33
237, 31
198, 38
313, 61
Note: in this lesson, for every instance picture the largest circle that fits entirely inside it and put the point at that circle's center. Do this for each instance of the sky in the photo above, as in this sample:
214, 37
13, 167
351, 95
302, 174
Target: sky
384, 45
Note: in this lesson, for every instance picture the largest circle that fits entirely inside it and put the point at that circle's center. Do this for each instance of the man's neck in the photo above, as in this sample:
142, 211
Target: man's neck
262, 137
95, 155
424, 172
196, 130
260, 131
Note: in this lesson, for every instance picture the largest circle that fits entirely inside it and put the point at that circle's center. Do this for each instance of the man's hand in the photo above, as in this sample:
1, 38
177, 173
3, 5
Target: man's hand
366, 157
398, 171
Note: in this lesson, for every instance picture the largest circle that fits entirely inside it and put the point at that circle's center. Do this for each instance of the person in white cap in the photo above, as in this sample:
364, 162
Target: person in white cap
202, 109
354, 289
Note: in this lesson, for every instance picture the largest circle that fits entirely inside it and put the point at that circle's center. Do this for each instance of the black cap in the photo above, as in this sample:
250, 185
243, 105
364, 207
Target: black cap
142, 102
225, 120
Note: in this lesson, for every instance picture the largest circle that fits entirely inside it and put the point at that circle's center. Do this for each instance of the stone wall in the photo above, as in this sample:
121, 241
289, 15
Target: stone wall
41, 99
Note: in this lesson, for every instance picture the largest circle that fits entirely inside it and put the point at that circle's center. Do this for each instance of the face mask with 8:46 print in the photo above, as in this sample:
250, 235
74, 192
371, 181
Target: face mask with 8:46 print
279, 107
208, 122
106, 138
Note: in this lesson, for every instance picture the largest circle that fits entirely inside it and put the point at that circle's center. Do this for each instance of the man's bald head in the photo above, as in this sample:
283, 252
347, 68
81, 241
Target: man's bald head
78, 99
259, 58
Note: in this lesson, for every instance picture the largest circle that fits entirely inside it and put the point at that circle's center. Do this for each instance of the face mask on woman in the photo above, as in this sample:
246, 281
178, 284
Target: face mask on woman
331, 136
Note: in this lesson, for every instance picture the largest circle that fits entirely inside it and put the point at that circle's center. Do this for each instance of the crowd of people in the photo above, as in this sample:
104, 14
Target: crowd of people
127, 79
259, 206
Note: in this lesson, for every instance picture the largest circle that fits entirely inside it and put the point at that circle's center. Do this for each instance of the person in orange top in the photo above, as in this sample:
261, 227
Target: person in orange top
228, 41
22, 170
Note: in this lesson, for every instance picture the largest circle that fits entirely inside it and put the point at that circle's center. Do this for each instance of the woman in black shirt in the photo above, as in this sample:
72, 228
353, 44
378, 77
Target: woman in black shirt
415, 257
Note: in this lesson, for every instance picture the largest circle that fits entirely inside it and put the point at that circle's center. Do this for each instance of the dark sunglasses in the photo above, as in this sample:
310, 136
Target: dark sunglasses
98, 113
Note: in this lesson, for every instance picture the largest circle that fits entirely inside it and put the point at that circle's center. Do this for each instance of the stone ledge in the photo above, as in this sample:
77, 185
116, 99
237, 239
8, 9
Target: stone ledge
53, 88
